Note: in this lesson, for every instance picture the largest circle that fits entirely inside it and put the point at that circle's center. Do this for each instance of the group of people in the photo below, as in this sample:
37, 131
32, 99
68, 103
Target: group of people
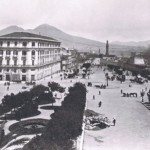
7, 84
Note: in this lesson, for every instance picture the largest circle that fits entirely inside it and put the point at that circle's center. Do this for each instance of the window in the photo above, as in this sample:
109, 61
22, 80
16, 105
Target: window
7, 52
24, 53
23, 70
32, 62
15, 62
15, 70
1, 52
15, 43
24, 62
8, 43
33, 43
7, 70
23, 77
24, 44
33, 52
0, 62
1, 43
8, 62
15, 52
32, 77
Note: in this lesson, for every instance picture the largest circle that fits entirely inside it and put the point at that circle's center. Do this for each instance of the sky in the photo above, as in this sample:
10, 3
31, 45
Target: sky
113, 20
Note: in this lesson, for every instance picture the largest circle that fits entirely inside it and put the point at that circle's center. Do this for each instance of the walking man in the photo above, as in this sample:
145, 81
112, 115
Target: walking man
7, 88
100, 103
114, 121
142, 94
121, 91
148, 94
93, 97
99, 92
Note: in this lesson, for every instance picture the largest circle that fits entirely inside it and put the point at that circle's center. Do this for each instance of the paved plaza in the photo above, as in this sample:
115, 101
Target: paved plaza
132, 130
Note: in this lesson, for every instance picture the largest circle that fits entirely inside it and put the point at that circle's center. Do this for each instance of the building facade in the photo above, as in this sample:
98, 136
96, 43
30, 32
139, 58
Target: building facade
68, 59
28, 57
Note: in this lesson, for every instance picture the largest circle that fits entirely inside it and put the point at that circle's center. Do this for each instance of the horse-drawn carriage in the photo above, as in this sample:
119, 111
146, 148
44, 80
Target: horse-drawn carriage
139, 80
89, 84
133, 94
30, 83
101, 86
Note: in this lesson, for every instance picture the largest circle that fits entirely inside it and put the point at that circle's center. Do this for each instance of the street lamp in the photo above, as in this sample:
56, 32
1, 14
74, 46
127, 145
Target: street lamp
51, 72
107, 80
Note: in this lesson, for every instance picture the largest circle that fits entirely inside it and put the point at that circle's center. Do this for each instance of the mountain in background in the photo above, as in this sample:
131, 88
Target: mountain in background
79, 43
132, 43
11, 29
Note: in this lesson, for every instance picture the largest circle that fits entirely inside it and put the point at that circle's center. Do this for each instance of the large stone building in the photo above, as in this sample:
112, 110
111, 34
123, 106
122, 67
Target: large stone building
28, 57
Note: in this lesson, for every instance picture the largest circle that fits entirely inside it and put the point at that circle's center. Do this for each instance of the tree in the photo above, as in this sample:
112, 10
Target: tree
86, 65
53, 86
61, 90
45, 98
37, 90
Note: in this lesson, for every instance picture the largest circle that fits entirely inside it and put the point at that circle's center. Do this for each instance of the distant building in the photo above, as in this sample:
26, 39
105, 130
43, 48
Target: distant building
137, 60
28, 57
68, 58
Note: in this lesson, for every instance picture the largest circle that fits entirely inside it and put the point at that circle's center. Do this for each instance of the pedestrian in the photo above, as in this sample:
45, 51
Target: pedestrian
7, 88
55, 95
93, 97
100, 103
114, 121
99, 92
142, 94
148, 94
121, 91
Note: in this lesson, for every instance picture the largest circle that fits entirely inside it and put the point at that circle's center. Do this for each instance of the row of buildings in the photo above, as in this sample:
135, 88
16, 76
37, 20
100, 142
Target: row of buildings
136, 62
29, 57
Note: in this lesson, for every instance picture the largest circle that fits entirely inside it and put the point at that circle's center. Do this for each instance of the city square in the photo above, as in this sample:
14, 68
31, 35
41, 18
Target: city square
130, 113
74, 75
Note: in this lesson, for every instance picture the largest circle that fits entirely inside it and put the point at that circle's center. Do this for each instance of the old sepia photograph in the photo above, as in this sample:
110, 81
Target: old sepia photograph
74, 74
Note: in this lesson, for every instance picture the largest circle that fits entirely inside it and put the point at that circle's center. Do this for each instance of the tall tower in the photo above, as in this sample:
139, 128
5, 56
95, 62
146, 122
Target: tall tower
99, 51
107, 48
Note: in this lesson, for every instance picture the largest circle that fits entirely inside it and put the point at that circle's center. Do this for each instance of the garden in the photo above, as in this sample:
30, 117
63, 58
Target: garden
19, 108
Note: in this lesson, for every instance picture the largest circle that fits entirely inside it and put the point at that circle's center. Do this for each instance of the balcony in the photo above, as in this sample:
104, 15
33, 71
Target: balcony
15, 57
23, 57
33, 57
7, 57
1, 57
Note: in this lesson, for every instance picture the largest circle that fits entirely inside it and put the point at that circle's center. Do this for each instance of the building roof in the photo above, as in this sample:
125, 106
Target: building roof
139, 61
26, 35
109, 56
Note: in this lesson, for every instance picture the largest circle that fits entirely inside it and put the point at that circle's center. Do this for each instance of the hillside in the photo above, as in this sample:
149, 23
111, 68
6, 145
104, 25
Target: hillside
70, 41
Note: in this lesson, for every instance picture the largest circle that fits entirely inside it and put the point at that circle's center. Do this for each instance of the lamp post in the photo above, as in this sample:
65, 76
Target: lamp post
51, 72
107, 80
